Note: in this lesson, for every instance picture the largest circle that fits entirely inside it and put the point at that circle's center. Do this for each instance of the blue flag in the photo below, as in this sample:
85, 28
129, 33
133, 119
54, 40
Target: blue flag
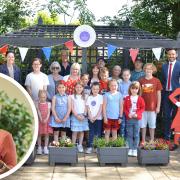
47, 52
111, 49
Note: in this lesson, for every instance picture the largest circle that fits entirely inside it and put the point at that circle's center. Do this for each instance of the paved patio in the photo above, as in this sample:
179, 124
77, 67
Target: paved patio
88, 168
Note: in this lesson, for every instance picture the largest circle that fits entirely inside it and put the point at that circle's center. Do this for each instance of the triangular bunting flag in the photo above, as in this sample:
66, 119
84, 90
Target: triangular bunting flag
157, 52
69, 45
111, 49
23, 52
133, 54
47, 52
4, 49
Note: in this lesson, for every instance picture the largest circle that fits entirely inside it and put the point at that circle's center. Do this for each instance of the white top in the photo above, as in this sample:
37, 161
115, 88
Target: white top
36, 82
79, 103
134, 105
94, 103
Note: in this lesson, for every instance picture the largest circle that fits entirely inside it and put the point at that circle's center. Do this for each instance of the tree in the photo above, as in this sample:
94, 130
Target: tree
161, 17
68, 8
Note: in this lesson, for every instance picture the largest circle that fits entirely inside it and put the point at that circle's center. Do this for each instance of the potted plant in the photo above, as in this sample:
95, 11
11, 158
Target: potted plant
63, 151
156, 152
115, 151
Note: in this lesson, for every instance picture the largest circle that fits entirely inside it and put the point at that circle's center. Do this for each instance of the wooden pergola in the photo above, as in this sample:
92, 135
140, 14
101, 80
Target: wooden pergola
52, 35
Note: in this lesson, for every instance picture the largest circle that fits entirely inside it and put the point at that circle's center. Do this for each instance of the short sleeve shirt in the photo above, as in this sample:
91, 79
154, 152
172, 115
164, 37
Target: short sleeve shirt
149, 92
94, 103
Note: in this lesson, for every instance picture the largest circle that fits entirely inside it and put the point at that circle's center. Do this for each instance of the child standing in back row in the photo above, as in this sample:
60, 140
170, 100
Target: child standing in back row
79, 122
112, 110
43, 109
133, 107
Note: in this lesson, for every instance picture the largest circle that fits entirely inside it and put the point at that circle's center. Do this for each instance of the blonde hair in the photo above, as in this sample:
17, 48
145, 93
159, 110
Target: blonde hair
75, 66
110, 81
42, 91
135, 84
152, 66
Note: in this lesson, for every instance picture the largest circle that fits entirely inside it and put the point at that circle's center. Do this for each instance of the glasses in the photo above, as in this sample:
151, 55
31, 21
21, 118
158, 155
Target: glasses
55, 68
36, 64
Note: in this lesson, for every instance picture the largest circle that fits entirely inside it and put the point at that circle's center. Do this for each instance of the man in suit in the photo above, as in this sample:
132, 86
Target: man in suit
170, 82
10, 69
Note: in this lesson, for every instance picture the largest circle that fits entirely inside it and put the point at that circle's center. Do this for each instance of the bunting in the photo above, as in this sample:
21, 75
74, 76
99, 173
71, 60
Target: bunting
111, 49
70, 45
23, 52
4, 49
157, 52
47, 52
133, 54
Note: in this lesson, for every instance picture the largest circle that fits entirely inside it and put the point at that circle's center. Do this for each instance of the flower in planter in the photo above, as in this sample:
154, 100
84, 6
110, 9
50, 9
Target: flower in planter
158, 144
101, 142
63, 142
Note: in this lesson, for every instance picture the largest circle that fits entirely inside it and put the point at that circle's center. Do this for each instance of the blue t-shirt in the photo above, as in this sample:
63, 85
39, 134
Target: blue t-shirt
113, 104
135, 75
123, 88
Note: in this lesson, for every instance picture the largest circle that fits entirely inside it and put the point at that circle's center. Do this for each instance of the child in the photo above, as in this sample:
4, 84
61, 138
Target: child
94, 108
112, 110
95, 75
138, 71
61, 108
104, 75
85, 80
79, 122
133, 108
43, 109
151, 93
123, 89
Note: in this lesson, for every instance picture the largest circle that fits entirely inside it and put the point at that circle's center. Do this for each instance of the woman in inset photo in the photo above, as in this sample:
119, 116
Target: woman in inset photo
8, 156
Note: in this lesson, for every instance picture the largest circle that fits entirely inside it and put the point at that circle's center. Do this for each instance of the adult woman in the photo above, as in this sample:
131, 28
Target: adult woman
54, 77
72, 78
8, 157
10, 69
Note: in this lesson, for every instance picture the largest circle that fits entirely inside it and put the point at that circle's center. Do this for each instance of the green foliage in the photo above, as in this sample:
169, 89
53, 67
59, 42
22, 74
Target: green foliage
15, 118
68, 8
63, 142
101, 142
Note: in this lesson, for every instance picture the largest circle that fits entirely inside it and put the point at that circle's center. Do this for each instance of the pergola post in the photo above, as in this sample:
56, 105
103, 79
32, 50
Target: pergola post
84, 60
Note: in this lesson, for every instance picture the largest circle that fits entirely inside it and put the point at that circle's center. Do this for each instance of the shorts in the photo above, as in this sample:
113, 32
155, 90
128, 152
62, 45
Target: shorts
148, 117
61, 129
111, 125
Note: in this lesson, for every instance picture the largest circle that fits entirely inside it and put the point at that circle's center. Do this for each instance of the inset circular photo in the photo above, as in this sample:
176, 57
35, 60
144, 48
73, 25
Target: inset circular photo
18, 125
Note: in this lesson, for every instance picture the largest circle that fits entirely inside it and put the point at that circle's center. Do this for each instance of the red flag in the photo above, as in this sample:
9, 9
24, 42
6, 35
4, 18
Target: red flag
69, 45
133, 54
4, 49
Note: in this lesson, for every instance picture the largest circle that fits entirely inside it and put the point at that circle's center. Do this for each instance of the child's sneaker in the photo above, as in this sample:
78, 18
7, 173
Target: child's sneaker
39, 150
134, 152
130, 152
89, 150
46, 151
80, 148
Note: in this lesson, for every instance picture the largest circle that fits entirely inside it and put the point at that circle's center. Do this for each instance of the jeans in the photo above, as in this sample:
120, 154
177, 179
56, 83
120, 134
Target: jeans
95, 129
169, 110
133, 128
123, 131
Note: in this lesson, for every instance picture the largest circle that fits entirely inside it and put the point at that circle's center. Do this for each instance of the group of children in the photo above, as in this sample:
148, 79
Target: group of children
102, 104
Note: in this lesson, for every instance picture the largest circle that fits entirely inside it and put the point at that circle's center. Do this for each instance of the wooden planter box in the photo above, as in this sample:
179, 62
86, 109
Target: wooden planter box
62, 155
153, 156
112, 155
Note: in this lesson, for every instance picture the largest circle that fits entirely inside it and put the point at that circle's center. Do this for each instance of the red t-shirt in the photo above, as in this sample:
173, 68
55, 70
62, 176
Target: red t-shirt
103, 86
7, 149
149, 92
